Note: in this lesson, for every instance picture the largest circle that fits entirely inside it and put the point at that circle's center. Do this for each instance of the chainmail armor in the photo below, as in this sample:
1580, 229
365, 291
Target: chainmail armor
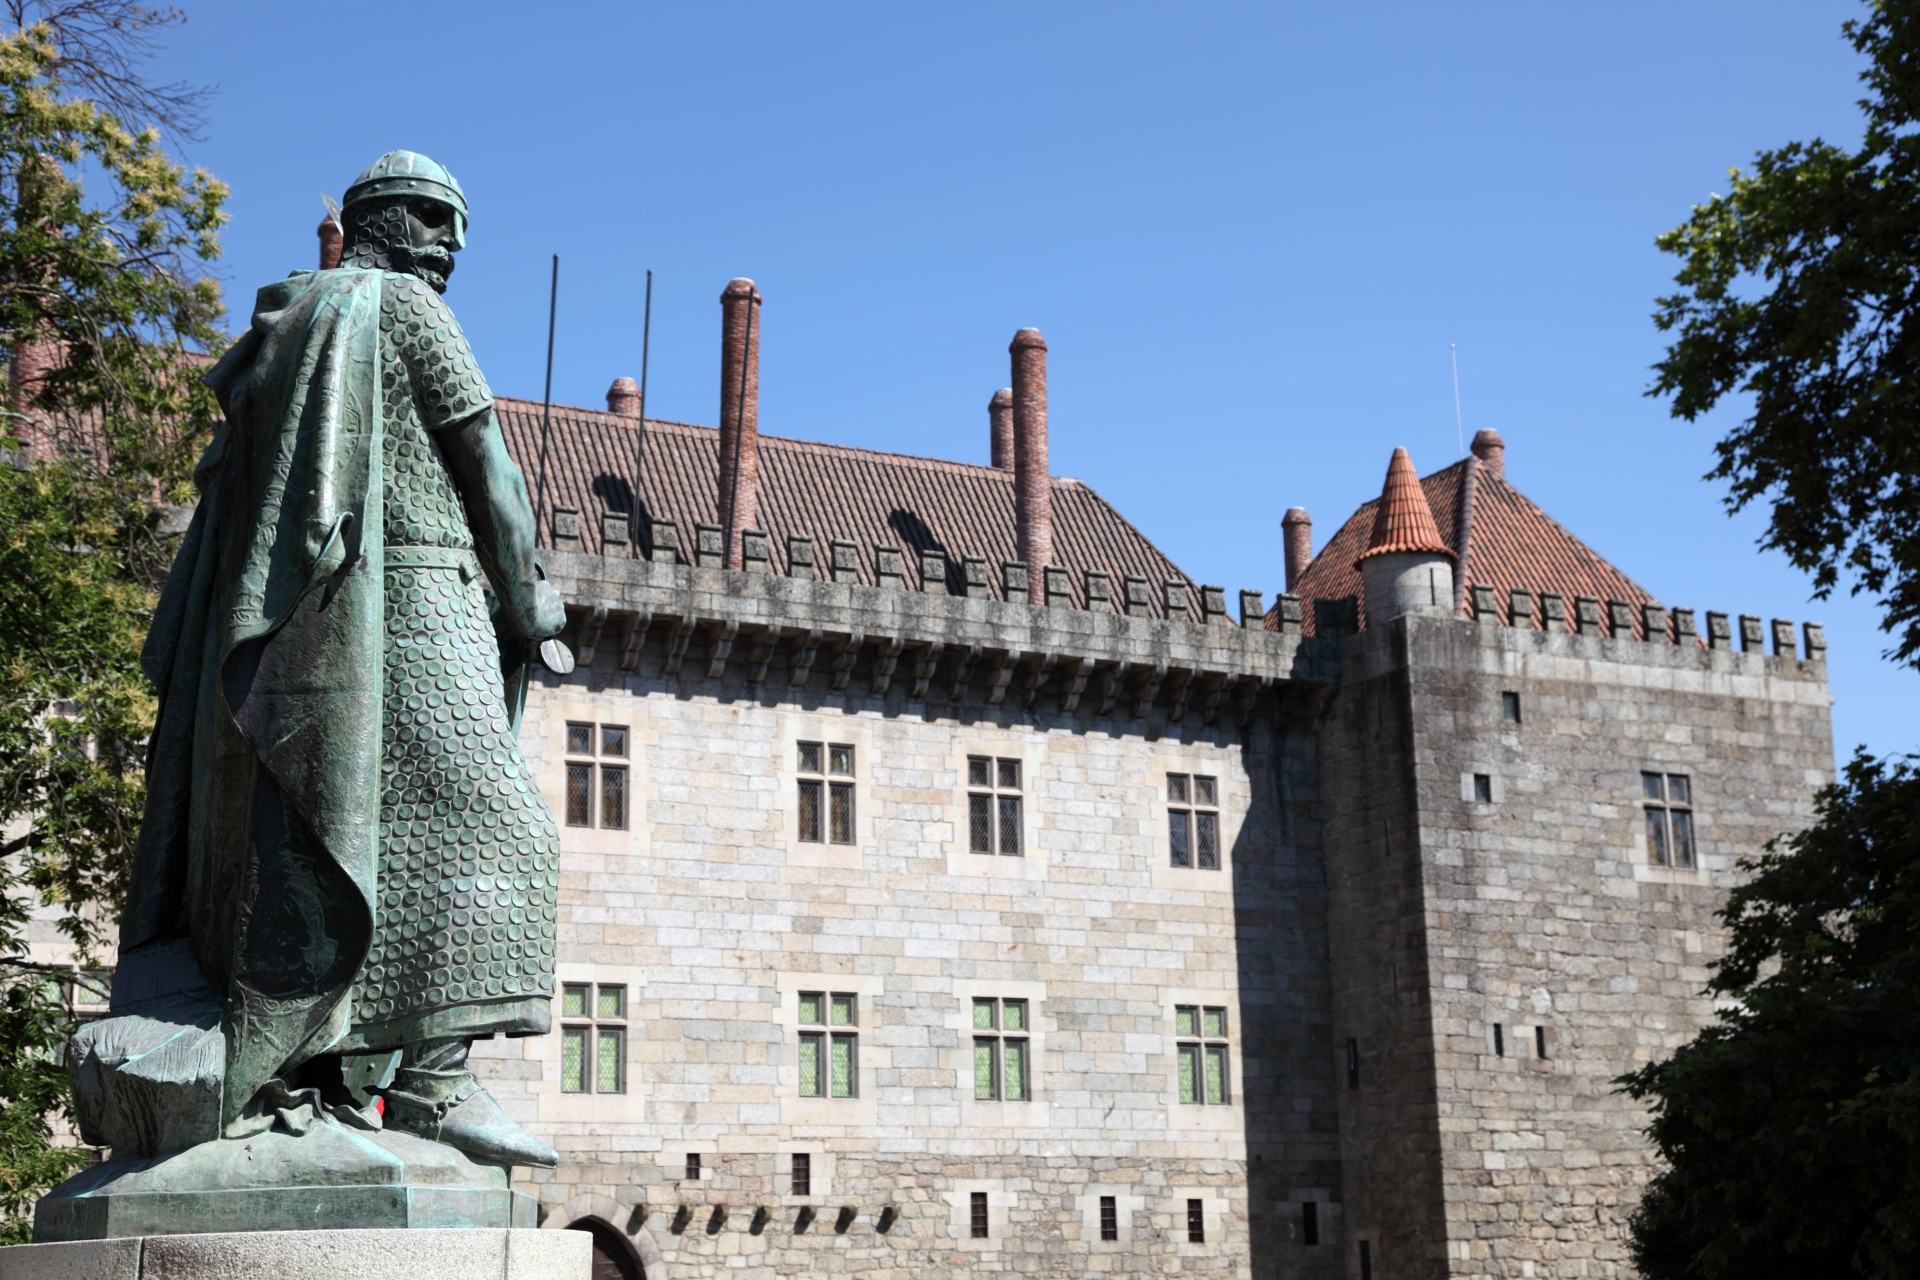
469, 854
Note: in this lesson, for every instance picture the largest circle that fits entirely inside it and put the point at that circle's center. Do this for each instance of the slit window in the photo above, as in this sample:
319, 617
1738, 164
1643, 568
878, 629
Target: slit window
1499, 1041
1193, 820
1353, 1064
593, 1038
802, 1174
829, 1045
1000, 1056
1200, 1034
1196, 1222
597, 765
978, 1206
1667, 799
994, 799
826, 792
1309, 1222
1540, 1042
1109, 1218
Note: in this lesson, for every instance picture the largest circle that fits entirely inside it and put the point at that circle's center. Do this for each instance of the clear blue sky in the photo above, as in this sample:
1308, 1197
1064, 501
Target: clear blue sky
1249, 233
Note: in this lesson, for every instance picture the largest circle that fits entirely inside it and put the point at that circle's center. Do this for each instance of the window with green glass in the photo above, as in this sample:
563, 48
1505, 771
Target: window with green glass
593, 1038
829, 1062
1202, 1053
1000, 1058
826, 781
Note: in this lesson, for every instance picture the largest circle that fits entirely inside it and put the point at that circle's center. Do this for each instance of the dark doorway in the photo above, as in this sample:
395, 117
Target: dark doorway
612, 1257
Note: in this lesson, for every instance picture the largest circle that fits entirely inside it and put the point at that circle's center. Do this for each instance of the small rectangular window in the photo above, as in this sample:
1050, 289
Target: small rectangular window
840, 816
1309, 1222
613, 1002
1483, 788
1193, 821
609, 1069
810, 793
810, 757
613, 797
1510, 707
573, 1000
1540, 1042
573, 1060
1353, 1063
613, 740
843, 1067
802, 1174
843, 1010
1667, 803
811, 1077
1202, 1065
1000, 1061
693, 1166
994, 806
810, 1007
1196, 1222
840, 760
978, 1202
579, 794
579, 739
1499, 1041
1109, 1218
1366, 1261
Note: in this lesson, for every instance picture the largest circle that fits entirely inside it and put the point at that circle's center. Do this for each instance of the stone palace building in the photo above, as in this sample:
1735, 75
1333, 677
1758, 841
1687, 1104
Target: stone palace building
952, 884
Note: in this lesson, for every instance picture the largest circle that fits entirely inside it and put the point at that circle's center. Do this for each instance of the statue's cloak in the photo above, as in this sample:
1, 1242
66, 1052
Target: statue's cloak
260, 838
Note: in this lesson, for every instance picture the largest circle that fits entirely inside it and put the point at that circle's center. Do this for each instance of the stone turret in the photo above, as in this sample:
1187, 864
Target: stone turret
1406, 567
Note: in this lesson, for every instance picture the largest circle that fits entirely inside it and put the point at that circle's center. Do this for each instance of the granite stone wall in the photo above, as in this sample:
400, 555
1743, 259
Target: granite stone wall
1488, 873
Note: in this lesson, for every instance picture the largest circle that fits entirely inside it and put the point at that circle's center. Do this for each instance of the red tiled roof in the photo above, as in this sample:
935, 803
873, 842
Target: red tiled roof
1402, 520
1513, 544
825, 491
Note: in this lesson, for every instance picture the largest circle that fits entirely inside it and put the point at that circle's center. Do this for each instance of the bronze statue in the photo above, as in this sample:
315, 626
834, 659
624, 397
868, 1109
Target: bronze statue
344, 853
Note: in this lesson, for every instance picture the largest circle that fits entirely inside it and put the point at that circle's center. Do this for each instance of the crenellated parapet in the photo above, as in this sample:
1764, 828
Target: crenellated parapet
941, 643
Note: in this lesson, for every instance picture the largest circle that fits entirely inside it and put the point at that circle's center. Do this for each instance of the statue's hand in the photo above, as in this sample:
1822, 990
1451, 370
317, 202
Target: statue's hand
549, 612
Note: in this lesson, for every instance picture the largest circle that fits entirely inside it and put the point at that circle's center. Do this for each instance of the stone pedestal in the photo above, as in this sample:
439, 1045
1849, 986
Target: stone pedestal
473, 1253
328, 1178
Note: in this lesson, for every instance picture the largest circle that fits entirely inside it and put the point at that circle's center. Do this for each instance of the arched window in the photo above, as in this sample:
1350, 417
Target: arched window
612, 1256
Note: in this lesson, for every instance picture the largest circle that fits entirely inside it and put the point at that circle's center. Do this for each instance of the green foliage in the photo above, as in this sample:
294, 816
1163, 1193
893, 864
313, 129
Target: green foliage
1801, 288
110, 276
1791, 1127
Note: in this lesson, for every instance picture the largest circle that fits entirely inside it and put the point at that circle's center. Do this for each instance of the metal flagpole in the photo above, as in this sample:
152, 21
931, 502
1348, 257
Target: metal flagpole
640, 438
1459, 431
546, 405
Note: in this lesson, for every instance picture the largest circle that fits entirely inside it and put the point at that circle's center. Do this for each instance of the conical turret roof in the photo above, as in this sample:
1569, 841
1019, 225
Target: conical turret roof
1403, 521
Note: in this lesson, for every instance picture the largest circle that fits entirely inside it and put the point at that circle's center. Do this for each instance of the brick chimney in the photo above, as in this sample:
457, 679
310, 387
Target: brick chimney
1296, 527
1032, 483
739, 422
623, 398
330, 241
1000, 416
1491, 450
27, 372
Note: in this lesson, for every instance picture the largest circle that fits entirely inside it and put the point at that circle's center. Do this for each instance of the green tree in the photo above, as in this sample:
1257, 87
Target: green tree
1790, 1129
106, 284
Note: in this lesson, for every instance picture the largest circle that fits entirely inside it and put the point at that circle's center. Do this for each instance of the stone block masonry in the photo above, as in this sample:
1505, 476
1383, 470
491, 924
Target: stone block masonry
1436, 931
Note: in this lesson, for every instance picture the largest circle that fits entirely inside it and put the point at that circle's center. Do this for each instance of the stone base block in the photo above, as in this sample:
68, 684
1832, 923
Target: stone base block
474, 1253
330, 1178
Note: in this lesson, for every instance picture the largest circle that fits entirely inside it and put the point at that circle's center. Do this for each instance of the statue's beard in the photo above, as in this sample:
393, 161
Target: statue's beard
432, 264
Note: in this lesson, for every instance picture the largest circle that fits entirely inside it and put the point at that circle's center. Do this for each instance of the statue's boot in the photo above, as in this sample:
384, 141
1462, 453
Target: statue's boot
440, 1100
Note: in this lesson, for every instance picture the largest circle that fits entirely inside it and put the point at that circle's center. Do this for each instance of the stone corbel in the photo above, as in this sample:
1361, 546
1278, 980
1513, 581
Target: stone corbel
763, 646
677, 641
1002, 676
924, 667
884, 663
1182, 689
634, 638
1149, 690
1036, 680
722, 649
963, 674
1077, 684
590, 628
804, 650
845, 656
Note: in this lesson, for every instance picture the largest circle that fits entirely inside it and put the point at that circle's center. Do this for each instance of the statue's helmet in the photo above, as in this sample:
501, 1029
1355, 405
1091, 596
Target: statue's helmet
408, 173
